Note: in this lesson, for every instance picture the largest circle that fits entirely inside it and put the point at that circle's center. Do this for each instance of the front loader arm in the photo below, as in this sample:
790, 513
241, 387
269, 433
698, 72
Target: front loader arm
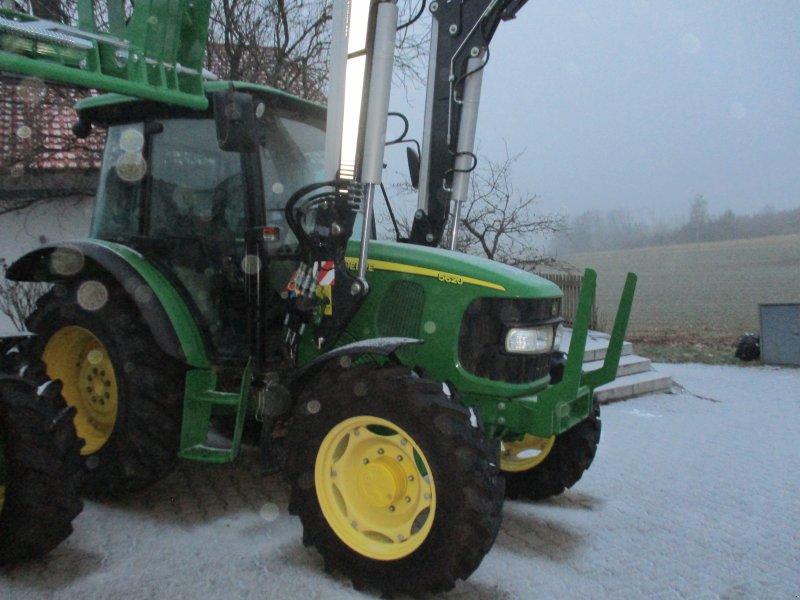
459, 50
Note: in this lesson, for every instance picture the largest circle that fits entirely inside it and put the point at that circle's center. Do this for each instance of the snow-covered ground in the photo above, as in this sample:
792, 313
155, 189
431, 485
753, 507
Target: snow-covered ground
692, 495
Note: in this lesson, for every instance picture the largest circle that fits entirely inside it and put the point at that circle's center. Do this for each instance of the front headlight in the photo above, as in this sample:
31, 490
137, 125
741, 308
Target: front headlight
529, 340
559, 336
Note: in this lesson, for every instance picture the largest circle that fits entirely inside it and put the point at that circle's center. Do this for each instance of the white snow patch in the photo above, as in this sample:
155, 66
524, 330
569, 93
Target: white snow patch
473, 418
645, 415
42, 388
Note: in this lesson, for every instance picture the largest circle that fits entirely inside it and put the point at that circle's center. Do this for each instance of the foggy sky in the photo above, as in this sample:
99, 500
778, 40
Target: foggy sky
644, 104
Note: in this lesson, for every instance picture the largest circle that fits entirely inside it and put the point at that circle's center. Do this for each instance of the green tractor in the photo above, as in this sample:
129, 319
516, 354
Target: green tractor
231, 283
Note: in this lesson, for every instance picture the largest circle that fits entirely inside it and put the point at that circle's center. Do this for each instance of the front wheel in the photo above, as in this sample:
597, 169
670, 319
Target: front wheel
394, 485
536, 468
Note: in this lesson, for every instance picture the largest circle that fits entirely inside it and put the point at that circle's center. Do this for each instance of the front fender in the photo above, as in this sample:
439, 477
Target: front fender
162, 308
383, 346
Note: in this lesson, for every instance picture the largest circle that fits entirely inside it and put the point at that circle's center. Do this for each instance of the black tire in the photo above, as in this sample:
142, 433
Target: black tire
569, 458
467, 488
39, 468
137, 445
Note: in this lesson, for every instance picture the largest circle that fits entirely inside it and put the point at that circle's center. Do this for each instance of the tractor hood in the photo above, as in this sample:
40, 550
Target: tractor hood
486, 277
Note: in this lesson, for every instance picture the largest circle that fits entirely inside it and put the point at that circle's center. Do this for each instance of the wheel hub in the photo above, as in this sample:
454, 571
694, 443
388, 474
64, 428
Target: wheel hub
381, 483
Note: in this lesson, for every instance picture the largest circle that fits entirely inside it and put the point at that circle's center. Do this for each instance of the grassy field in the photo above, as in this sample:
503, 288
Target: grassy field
692, 292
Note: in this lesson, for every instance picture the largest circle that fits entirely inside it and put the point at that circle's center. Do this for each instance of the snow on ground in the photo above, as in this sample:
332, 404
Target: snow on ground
692, 495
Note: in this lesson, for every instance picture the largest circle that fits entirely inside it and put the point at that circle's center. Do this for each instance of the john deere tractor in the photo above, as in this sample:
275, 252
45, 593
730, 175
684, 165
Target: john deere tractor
232, 282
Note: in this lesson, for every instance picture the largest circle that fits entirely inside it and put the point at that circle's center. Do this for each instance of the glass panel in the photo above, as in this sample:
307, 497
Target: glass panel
196, 211
117, 215
292, 156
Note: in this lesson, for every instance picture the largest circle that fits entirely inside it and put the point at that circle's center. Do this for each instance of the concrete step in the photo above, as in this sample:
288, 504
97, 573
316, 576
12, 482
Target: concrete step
628, 365
635, 374
629, 386
596, 345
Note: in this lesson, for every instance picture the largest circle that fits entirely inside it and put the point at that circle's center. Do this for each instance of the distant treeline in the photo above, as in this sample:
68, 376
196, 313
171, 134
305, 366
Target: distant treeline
618, 229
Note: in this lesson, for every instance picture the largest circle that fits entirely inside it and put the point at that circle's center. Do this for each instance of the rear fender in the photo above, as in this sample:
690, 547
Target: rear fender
163, 310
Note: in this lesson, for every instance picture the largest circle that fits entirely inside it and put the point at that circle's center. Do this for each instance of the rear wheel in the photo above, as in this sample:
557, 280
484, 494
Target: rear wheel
537, 468
394, 485
126, 392
39, 467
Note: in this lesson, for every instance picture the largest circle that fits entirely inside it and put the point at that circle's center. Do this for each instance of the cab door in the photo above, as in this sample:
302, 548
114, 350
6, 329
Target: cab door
195, 220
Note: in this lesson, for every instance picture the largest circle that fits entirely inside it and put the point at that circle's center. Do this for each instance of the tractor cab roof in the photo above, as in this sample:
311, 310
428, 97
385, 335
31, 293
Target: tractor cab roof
106, 109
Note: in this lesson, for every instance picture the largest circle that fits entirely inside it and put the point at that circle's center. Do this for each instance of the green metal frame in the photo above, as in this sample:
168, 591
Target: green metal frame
563, 405
157, 53
201, 402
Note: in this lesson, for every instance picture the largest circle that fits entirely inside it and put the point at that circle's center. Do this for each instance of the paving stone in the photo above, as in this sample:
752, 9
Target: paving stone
692, 495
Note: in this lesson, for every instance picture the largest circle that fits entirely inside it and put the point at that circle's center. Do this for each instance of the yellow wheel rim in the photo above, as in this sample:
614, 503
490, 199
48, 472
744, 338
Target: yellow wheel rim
375, 488
526, 453
80, 360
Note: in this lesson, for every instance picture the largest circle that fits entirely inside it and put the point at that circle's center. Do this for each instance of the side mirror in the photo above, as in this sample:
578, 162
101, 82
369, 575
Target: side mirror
82, 128
235, 118
413, 166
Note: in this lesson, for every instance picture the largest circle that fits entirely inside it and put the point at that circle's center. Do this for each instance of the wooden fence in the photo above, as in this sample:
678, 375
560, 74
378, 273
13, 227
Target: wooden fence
570, 284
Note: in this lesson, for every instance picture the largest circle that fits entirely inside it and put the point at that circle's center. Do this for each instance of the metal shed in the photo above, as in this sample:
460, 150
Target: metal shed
780, 333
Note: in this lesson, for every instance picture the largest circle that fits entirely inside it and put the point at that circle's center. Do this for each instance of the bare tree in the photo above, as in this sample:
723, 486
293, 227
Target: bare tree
501, 222
286, 44
273, 42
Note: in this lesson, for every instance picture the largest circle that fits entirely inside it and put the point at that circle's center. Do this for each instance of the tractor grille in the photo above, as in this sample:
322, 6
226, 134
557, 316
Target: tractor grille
481, 341
400, 314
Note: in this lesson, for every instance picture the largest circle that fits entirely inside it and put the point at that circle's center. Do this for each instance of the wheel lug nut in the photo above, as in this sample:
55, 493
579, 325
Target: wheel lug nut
380, 450
333, 473
403, 442
399, 458
354, 524
391, 509
411, 478
365, 461
408, 499
401, 537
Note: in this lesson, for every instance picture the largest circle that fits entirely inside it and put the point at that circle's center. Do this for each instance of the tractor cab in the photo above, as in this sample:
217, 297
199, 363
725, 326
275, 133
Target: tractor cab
170, 192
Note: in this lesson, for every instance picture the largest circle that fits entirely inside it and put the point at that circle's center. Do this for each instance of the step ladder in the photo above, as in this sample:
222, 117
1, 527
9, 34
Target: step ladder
201, 402
155, 52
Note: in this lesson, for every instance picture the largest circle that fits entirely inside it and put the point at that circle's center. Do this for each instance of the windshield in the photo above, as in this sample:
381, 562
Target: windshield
292, 156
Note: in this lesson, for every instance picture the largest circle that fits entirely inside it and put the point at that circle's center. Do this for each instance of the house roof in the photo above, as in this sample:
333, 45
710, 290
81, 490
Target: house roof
36, 127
